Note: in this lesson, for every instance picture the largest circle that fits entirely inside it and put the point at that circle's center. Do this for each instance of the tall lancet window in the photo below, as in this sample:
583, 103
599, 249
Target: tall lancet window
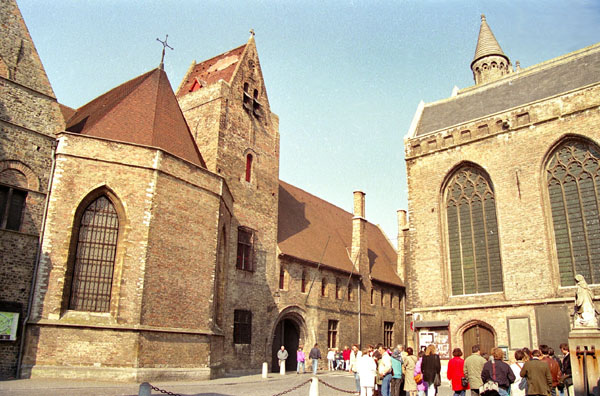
94, 258
473, 242
573, 179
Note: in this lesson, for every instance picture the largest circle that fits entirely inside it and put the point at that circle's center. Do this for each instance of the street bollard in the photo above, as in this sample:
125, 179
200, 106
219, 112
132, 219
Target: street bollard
282, 367
314, 387
265, 370
145, 389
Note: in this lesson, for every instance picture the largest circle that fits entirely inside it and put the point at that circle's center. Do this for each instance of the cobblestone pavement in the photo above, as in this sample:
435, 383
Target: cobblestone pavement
250, 385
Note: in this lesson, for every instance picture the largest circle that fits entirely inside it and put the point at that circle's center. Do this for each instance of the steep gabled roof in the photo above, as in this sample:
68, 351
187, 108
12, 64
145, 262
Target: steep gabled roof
221, 67
306, 223
143, 111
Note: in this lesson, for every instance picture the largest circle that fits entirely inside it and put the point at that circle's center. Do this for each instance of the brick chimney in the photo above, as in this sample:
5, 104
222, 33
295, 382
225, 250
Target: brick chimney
360, 247
402, 244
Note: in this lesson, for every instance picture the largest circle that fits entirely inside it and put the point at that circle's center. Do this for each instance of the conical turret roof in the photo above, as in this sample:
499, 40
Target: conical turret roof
486, 42
141, 111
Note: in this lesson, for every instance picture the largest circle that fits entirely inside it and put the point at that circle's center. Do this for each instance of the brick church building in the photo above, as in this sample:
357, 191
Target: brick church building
504, 198
147, 235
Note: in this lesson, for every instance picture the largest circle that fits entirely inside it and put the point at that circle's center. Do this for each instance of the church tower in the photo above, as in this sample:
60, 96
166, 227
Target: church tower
225, 103
489, 63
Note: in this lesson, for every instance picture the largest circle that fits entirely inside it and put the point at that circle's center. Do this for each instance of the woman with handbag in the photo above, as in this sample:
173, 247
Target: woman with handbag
418, 376
497, 375
431, 368
456, 373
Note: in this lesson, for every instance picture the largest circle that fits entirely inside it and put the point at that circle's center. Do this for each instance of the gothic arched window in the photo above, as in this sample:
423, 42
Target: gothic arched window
94, 259
573, 180
473, 243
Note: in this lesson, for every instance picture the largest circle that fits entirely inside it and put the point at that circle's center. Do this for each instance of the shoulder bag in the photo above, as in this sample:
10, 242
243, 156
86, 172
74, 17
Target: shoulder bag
490, 386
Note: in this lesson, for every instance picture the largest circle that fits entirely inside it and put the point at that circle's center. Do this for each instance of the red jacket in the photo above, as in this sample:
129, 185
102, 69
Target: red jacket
346, 354
455, 373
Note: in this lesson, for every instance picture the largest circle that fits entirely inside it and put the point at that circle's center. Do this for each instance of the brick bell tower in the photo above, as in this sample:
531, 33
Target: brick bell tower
225, 102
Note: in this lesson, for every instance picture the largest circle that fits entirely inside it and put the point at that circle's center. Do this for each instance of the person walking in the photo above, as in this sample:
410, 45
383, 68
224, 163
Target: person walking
498, 371
455, 372
431, 368
300, 357
537, 372
282, 355
355, 355
397, 375
408, 368
367, 369
472, 368
515, 388
315, 355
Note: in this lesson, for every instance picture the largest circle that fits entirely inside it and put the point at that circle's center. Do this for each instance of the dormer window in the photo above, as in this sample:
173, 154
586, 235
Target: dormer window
195, 86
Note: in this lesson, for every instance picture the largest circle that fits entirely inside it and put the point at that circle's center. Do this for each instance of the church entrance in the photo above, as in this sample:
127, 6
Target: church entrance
478, 334
287, 333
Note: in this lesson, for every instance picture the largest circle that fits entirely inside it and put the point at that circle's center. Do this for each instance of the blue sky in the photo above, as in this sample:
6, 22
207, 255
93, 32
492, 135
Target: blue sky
345, 77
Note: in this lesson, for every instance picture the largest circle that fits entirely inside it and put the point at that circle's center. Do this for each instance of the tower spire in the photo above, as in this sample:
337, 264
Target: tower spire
489, 63
161, 66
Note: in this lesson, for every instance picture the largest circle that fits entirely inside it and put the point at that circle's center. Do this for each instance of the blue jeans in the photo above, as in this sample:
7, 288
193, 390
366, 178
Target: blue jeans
385, 384
300, 364
459, 393
502, 392
315, 363
357, 380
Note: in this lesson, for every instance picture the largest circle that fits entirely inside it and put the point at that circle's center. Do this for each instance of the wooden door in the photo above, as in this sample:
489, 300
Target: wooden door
478, 334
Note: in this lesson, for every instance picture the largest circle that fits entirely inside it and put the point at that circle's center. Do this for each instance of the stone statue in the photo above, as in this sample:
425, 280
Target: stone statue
585, 311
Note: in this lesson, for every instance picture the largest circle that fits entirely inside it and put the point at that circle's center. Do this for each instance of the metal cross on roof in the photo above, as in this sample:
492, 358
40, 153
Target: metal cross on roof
252, 32
165, 45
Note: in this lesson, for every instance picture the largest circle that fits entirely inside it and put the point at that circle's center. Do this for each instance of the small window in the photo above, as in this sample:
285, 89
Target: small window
244, 251
195, 86
247, 99
332, 334
303, 282
372, 296
242, 326
350, 296
249, 167
324, 288
382, 298
281, 278
338, 289
256, 104
388, 334
391, 300
12, 205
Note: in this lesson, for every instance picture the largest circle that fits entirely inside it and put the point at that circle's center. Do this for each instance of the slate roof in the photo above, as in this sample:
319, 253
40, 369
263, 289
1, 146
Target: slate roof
143, 111
548, 79
221, 67
305, 224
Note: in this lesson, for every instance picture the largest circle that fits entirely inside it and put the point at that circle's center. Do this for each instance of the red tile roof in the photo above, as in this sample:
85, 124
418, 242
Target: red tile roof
221, 67
305, 224
143, 111
66, 111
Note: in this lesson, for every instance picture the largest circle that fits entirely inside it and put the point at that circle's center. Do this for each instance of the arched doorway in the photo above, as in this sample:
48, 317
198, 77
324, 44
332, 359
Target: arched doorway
287, 333
481, 334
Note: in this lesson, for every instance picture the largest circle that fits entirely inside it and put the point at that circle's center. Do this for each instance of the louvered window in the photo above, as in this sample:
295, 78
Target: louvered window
473, 241
245, 249
95, 257
573, 179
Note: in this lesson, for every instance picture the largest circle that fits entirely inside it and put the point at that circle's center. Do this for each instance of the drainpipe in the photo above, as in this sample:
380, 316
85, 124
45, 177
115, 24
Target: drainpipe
37, 259
359, 312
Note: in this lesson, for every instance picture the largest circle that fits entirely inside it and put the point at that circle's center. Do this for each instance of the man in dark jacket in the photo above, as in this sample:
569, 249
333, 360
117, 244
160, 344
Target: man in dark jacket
539, 379
566, 370
315, 355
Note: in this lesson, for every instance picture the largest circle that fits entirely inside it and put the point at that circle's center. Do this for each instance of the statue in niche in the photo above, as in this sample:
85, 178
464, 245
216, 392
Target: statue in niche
585, 311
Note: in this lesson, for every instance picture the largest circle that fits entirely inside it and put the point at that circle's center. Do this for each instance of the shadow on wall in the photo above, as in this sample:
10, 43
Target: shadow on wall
296, 210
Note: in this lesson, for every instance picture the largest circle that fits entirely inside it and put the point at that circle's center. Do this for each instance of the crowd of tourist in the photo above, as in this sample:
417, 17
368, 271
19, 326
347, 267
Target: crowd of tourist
380, 371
